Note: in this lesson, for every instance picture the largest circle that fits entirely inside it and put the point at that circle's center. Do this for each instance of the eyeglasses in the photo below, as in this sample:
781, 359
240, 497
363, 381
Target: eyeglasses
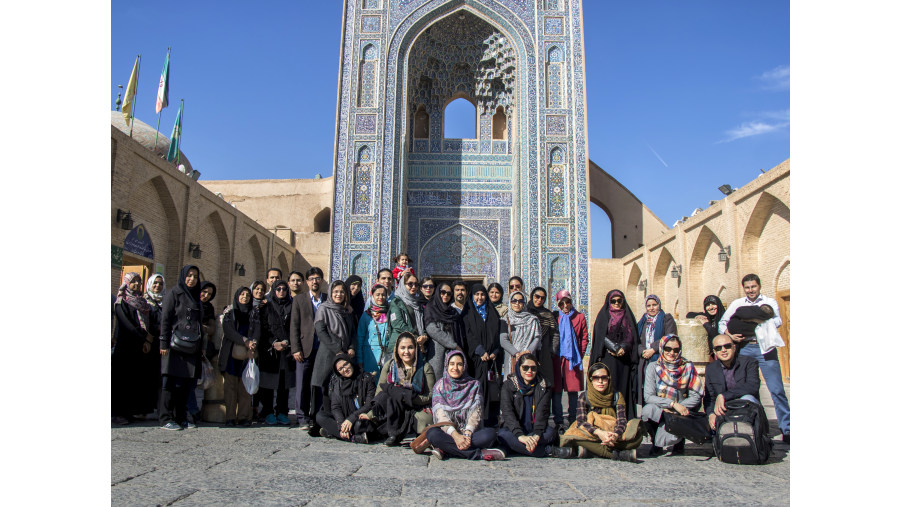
517, 301
616, 301
411, 284
727, 346
672, 349
529, 367
599, 378
446, 293
428, 286
314, 279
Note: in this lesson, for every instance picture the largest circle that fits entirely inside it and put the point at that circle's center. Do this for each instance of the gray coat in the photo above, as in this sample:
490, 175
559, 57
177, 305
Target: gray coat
330, 346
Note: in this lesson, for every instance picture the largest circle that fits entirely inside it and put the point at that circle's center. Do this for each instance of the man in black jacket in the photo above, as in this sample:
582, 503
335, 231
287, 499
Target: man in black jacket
730, 376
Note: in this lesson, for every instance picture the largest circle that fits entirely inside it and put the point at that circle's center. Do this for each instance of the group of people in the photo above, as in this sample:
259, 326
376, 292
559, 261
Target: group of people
479, 377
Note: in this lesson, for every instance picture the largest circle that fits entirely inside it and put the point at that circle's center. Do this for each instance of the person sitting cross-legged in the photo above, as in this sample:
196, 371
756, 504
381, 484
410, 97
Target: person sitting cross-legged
352, 394
525, 413
729, 377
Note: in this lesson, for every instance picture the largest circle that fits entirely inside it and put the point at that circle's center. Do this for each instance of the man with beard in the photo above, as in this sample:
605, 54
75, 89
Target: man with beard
305, 344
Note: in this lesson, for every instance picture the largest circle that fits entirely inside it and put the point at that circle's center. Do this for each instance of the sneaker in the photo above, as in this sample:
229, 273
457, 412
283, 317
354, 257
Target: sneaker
360, 439
271, 419
188, 425
437, 453
492, 455
630, 455
583, 453
283, 420
171, 426
562, 452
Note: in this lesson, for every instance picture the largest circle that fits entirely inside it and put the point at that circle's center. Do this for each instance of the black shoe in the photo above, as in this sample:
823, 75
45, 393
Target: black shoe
323, 433
246, 423
678, 449
562, 452
230, 422
786, 439
392, 441
315, 431
655, 451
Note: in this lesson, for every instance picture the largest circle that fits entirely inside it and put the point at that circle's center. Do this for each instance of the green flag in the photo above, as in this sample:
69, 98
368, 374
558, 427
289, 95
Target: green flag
175, 140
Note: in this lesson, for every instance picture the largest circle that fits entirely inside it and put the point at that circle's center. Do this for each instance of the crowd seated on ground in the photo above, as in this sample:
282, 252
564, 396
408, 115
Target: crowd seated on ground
477, 377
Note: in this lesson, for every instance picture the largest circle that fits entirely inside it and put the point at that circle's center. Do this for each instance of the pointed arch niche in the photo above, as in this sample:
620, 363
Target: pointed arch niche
368, 77
458, 251
556, 78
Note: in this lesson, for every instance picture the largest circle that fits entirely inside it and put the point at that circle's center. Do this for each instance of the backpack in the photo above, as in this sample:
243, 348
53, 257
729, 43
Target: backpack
742, 434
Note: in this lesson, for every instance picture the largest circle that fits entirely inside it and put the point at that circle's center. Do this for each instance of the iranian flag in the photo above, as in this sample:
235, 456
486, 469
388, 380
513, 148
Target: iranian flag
162, 95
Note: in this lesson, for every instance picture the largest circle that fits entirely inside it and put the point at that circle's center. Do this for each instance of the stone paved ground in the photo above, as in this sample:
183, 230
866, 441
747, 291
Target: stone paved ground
284, 466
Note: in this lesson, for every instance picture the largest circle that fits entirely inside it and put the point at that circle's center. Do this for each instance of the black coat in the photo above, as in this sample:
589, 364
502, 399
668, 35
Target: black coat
482, 336
512, 408
231, 336
549, 341
179, 311
344, 409
272, 328
746, 378
135, 375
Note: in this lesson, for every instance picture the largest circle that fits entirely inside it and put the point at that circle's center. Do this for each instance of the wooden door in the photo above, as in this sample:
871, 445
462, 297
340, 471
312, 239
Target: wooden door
140, 269
784, 353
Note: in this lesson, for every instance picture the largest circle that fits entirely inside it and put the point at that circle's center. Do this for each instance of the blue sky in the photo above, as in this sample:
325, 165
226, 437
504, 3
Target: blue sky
682, 96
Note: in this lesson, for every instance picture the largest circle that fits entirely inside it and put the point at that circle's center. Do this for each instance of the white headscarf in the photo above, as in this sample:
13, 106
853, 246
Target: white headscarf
155, 299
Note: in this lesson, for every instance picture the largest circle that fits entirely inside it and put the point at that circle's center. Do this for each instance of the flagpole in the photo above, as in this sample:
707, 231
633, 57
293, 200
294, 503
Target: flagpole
159, 115
180, 135
134, 98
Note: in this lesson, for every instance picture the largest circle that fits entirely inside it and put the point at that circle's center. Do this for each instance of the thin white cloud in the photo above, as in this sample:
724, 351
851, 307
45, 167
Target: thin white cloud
752, 128
778, 78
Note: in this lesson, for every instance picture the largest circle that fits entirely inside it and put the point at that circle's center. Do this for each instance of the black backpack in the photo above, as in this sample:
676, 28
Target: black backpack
742, 434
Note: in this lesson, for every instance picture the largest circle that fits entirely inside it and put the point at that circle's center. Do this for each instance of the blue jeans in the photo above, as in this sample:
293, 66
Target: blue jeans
771, 372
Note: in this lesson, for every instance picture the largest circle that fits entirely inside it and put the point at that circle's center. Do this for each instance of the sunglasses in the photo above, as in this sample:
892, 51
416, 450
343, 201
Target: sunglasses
517, 301
727, 346
515, 287
428, 286
538, 296
446, 293
528, 367
616, 301
280, 289
411, 284
599, 378
672, 349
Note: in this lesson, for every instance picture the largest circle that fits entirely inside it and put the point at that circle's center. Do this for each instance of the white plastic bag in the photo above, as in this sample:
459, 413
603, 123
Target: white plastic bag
251, 377
767, 336
208, 376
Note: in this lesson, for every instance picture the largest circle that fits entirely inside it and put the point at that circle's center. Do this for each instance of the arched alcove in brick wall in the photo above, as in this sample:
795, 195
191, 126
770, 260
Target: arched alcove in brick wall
762, 245
322, 221
634, 296
707, 271
151, 203
283, 265
663, 284
214, 243
256, 270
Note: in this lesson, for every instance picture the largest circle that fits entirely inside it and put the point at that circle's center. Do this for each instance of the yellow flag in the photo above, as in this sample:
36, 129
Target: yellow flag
128, 105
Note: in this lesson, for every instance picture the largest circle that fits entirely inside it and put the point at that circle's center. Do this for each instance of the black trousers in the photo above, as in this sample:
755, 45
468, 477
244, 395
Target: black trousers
267, 397
173, 402
330, 425
481, 439
507, 438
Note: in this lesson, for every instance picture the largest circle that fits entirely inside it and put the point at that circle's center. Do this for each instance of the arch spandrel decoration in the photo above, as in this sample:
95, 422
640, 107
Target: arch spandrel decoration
458, 251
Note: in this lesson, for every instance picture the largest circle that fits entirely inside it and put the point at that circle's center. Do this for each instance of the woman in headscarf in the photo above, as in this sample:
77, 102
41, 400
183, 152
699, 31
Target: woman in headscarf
601, 427
406, 313
457, 400
238, 324
671, 384
495, 295
654, 324
524, 331
568, 375
713, 309
444, 327
615, 342
549, 347
428, 287
352, 394
208, 326
155, 292
525, 414
258, 291
373, 331
276, 364
403, 396
483, 350
336, 331
357, 301
132, 391
180, 346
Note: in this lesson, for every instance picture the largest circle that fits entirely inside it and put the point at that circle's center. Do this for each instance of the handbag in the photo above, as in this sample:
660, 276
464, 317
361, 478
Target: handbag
421, 442
694, 426
494, 384
612, 346
185, 341
239, 352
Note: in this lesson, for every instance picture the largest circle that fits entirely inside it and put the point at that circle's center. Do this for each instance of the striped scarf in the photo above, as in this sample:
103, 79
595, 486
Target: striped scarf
675, 377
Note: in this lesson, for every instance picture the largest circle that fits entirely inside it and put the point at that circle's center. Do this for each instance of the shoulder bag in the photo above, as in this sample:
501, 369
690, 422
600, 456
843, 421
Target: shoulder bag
186, 341
421, 443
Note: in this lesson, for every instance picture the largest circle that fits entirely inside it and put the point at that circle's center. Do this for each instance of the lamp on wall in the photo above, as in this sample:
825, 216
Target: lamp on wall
239, 268
726, 189
676, 271
725, 253
125, 218
194, 248
642, 285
